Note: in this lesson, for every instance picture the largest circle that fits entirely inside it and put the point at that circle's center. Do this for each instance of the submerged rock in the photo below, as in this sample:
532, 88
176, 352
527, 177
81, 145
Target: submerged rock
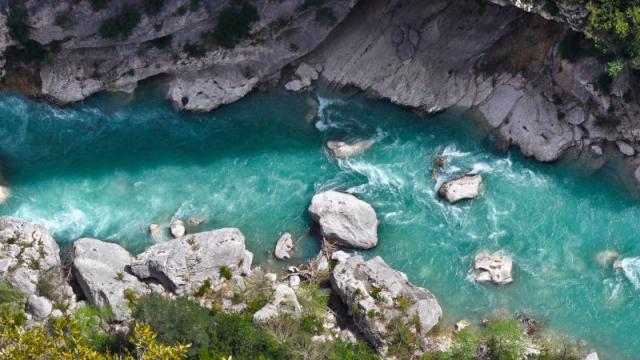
100, 268
345, 219
178, 229
378, 294
285, 302
182, 265
342, 149
466, 187
607, 257
284, 246
155, 231
493, 268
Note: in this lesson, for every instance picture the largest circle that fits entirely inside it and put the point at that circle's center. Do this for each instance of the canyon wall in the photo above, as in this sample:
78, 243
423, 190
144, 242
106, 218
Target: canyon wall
537, 83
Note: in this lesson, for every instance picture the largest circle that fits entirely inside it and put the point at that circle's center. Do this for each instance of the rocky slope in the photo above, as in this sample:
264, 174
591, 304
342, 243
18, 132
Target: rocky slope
510, 66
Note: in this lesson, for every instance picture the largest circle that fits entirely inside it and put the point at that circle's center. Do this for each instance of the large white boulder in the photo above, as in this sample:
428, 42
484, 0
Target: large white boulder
494, 268
378, 294
284, 246
101, 270
182, 265
466, 187
345, 220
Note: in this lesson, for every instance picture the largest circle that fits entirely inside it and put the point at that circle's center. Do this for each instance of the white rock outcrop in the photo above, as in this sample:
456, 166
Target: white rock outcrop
465, 187
494, 268
345, 220
376, 294
182, 265
101, 269
284, 247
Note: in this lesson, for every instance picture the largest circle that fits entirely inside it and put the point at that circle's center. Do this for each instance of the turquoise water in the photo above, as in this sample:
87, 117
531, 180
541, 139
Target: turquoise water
111, 166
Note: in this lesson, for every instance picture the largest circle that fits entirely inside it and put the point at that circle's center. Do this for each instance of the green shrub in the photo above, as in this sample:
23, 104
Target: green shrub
212, 334
120, 26
551, 7
92, 323
234, 24
98, 5
204, 289
344, 351
17, 22
225, 272
152, 7
614, 68
12, 302
198, 51
326, 17
162, 42
63, 20
505, 340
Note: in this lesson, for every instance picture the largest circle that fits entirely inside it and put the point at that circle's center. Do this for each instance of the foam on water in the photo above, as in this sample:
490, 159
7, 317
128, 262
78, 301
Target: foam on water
113, 165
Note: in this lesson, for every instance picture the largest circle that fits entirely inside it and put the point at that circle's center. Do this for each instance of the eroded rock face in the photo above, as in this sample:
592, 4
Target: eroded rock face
343, 149
87, 63
101, 270
466, 187
494, 268
27, 253
378, 294
182, 265
305, 75
345, 219
284, 247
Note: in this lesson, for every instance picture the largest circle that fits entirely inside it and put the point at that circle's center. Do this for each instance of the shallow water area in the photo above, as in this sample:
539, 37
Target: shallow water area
111, 166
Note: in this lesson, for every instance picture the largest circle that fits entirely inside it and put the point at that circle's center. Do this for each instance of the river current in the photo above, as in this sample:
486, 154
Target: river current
109, 167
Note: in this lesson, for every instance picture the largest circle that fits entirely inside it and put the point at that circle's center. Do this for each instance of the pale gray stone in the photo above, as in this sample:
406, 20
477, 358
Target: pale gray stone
495, 268
345, 219
101, 270
182, 265
466, 187
284, 246
354, 280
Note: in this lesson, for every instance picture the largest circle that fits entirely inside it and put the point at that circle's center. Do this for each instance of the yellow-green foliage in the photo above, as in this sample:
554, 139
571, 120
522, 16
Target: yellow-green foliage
615, 26
63, 339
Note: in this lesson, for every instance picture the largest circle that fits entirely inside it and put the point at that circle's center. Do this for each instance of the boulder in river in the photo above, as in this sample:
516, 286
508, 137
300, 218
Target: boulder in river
182, 265
592, 356
100, 268
378, 294
342, 149
177, 228
493, 268
465, 187
284, 246
345, 220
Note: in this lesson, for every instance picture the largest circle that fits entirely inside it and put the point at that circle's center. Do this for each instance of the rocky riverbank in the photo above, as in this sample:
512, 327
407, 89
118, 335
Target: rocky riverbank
372, 302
